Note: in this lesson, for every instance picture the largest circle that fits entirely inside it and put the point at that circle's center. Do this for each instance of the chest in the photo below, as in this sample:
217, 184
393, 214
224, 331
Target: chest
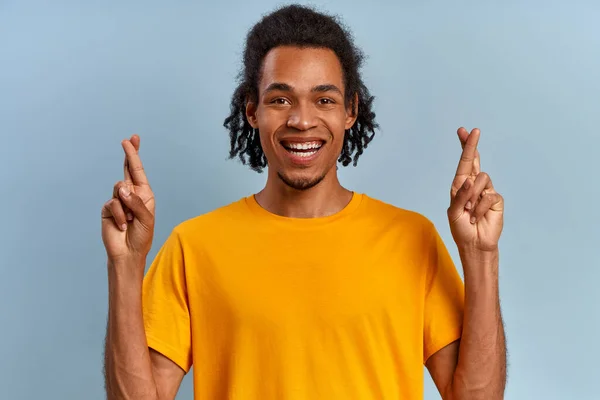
284, 282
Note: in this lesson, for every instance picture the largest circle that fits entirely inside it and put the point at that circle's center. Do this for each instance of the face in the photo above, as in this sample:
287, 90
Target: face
301, 114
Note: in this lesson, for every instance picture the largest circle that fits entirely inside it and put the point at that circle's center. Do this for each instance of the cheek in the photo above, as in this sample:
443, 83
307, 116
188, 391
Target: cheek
267, 127
339, 144
266, 142
268, 121
338, 129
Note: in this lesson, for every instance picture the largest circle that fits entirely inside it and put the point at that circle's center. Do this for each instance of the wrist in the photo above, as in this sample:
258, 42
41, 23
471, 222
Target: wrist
128, 271
479, 262
468, 253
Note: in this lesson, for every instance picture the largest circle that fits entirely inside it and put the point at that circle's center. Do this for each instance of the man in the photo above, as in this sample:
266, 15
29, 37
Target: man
306, 290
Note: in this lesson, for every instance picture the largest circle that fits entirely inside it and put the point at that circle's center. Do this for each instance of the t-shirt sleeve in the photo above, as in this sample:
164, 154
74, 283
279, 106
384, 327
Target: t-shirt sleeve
165, 304
444, 298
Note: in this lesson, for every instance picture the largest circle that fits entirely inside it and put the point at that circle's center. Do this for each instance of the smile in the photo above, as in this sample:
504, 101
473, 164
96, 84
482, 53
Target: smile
301, 152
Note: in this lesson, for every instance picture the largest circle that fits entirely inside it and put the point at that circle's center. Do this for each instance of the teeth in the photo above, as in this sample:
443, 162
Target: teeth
304, 146
303, 154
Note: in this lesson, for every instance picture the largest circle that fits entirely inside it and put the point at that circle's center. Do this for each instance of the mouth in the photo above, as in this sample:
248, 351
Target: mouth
302, 151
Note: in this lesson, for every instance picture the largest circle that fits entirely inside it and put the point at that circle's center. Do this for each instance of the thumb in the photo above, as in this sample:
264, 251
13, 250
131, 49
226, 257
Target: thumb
137, 206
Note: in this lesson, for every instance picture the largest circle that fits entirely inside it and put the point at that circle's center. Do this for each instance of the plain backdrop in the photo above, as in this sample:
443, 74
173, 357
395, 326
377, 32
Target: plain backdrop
77, 77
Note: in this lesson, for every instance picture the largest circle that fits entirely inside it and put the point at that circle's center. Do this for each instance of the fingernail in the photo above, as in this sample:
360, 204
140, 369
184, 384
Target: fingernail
468, 205
124, 227
129, 217
473, 219
124, 191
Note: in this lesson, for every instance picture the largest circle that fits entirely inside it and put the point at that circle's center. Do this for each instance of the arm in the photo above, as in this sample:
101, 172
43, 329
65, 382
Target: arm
132, 370
475, 366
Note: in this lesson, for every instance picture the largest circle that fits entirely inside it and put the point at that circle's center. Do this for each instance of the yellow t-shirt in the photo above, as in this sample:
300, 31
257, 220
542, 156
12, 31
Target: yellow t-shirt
348, 306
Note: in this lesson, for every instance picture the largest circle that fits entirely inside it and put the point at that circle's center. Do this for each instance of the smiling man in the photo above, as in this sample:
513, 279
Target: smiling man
305, 290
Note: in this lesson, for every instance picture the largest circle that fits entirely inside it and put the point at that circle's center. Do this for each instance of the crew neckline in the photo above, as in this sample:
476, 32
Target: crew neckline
353, 204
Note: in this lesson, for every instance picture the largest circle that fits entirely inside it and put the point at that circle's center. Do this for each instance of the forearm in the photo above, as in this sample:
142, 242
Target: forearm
481, 368
128, 368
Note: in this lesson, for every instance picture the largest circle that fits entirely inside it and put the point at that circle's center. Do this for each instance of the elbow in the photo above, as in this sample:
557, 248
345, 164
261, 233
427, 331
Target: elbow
482, 393
462, 390
110, 395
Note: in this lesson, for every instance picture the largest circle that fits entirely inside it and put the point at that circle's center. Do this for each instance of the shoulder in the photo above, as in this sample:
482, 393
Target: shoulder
410, 233
214, 220
401, 217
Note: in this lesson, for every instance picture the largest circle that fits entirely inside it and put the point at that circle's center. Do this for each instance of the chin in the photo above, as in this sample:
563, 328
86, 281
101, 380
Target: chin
300, 181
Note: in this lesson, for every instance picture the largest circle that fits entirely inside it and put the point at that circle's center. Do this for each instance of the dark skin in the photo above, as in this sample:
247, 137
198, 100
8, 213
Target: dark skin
301, 95
290, 106
297, 111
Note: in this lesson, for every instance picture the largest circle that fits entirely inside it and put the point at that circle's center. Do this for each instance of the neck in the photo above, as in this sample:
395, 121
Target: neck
326, 198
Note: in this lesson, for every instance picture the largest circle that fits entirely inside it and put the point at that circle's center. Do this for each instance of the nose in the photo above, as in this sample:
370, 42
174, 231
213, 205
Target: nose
302, 117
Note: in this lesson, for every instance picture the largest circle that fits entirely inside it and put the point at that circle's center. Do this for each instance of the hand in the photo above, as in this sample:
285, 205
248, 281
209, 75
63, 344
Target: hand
128, 218
476, 211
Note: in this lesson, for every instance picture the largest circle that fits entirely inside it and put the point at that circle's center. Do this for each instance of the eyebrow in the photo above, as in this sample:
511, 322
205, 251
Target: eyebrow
327, 88
278, 86
284, 87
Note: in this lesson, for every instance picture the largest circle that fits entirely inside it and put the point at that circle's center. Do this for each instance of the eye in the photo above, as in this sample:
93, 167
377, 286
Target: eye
326, 100
280, 101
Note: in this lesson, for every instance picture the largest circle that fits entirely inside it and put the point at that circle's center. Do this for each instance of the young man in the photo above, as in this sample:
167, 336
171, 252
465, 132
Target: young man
306, 290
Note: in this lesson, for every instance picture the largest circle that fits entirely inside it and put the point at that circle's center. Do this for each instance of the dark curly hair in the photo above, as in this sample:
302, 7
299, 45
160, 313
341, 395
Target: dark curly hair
299, 26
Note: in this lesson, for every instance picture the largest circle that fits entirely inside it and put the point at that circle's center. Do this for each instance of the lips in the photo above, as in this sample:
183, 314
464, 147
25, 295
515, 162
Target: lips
306, 146
302, 151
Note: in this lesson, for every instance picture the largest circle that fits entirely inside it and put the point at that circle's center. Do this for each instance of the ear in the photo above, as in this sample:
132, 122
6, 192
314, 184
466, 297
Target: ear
251, 114
352, 112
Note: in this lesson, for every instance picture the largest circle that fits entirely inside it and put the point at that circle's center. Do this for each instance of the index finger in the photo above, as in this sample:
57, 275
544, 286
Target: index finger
467, 158
134, 170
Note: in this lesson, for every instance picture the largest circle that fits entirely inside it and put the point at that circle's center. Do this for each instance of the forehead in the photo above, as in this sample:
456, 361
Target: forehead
301, 68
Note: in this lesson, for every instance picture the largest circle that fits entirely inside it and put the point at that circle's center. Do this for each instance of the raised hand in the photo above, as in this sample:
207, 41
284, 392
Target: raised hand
476, 211
128, 218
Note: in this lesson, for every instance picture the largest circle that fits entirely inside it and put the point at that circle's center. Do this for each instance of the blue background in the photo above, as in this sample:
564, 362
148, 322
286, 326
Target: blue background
77, 77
